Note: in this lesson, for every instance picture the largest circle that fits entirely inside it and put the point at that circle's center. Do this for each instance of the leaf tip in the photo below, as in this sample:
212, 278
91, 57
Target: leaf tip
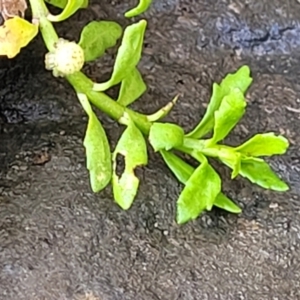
236, 210
99, 181
124, 205
281, 187
183, 215
246, 69
143, 23
181, 218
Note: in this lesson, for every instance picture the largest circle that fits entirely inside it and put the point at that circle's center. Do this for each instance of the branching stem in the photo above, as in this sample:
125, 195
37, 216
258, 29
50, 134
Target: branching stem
80, 82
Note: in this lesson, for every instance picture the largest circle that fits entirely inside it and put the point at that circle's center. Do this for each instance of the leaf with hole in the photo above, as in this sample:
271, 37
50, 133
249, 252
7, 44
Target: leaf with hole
68, 10
96, 37
98, 156
165, 136
132, 87
128, 56
139, 9
199, 193
265, 144
239, 80
259, 172
132, 147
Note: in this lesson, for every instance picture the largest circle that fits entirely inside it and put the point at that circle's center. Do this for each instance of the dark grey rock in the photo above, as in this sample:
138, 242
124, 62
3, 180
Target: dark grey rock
59, 241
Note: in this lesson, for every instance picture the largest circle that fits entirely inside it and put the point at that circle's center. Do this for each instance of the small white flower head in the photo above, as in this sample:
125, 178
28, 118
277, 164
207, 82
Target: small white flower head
66, 59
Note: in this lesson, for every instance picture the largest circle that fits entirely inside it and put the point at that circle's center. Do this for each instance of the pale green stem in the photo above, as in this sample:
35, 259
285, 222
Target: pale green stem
79, 81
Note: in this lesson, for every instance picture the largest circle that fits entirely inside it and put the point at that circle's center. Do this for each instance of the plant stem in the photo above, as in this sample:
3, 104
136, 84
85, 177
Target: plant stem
82, 84
40, 12
193, 147
79, 81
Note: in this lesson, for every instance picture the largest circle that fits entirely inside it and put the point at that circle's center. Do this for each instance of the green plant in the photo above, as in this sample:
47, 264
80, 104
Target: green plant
202, 184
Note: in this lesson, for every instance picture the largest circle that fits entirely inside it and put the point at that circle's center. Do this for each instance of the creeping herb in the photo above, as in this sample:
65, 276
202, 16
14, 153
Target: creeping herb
201, 184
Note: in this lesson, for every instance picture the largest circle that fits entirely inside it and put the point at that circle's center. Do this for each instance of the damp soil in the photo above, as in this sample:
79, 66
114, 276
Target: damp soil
60, 241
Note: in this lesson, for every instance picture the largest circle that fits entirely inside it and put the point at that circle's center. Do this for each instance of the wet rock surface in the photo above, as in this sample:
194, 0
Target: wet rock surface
60, 241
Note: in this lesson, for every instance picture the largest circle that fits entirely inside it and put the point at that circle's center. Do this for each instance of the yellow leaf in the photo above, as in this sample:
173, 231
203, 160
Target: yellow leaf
15, 34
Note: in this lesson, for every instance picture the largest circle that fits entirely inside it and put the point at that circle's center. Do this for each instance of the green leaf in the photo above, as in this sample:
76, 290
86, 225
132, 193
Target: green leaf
68, 10
128, 56
240, 80
132, 87
165, 136
97, 37
182, 170
199, 193
142, 7
265, 144
98, 156
225, 203
231, 110
259, 172
207, 122
132, 147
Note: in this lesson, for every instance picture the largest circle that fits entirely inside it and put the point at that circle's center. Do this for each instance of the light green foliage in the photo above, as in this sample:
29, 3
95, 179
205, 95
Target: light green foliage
98, 156
132, 87
199, 193
69, 9
141, 8
183, 171
128, 56
240, 159
225, 203
265, 144
96, 37
232, 159
240, 80
165, 136
230, 111
259, 172
132, 147
201, 184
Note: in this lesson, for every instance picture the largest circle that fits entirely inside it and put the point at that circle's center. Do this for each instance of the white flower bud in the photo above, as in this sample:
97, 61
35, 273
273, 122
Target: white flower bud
66, 59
